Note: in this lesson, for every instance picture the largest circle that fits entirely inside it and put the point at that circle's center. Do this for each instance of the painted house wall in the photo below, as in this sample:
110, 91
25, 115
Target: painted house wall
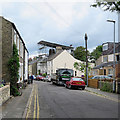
110, 58
30, 69
65, 60
119, 27
49, 67
26, 65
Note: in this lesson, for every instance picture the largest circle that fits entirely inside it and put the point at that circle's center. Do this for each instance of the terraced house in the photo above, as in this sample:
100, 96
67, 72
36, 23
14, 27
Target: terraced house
9, 35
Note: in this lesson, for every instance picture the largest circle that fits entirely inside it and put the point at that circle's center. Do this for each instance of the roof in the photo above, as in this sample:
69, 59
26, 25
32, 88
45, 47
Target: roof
51, 57
104, 65
110, 48
43, 60
54, 45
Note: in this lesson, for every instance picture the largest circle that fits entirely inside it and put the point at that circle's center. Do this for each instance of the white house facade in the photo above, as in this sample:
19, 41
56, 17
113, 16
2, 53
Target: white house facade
63, 60
119, 27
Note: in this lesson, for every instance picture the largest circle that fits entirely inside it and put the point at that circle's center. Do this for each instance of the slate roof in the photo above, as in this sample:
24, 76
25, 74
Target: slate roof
110, 48
104, 65
51, 57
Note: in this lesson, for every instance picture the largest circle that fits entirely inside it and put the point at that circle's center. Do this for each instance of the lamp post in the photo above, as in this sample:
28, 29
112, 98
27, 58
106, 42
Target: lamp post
86, 58
113, 21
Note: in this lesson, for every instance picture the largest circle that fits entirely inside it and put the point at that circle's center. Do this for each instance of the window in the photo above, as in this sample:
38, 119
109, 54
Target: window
105, 59
117, 57
77, 79
14, 37
75, 73
105, 47
110, 71
104, 71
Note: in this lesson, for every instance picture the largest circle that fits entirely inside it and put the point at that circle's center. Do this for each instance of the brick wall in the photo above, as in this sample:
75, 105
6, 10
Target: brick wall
118, 70
4, 94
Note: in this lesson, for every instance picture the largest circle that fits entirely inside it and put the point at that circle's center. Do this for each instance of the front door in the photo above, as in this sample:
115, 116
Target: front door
104, 71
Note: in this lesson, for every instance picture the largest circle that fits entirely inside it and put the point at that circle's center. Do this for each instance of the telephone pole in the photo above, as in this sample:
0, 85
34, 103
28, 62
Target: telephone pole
86, 59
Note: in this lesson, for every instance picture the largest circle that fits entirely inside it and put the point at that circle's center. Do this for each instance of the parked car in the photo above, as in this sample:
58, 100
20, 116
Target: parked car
47, 78
39, 77
34, 77
75, 82
100, 77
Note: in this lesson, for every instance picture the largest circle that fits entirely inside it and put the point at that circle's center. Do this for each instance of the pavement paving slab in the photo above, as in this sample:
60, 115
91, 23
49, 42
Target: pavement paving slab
108, 95
14, 107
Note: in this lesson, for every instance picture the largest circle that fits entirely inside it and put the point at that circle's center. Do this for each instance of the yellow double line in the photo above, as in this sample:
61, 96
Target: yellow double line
36, 103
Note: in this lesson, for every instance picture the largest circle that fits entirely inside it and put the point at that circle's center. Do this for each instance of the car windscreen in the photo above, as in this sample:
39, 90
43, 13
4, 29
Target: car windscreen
66, 72
77, 79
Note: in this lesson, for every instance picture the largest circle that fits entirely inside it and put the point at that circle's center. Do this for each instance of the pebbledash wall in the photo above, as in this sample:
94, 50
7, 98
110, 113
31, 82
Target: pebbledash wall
11, 35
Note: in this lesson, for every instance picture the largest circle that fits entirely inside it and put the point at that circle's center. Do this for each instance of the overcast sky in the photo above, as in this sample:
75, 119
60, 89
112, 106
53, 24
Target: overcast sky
64, 22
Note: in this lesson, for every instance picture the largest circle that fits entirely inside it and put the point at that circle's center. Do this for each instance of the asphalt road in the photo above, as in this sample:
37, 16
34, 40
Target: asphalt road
51, 101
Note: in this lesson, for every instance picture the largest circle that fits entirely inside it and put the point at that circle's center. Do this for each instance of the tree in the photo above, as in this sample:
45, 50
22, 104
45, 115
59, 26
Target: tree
106, 5
13, 65
82, 67
80, 53
96, 53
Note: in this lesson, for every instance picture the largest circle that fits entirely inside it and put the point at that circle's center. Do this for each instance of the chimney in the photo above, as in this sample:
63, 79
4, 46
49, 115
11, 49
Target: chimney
51, 52
58, 48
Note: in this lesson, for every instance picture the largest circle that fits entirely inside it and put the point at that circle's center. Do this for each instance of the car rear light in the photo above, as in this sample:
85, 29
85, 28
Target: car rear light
83, 82
73, 82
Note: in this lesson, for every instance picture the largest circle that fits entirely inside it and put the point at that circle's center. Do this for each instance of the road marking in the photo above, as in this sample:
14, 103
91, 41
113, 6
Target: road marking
37, 105
29, 106
34, 115
104, 96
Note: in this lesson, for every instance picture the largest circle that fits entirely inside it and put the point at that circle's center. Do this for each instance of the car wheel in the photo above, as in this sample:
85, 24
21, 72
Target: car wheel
83, 88
53, 83
69, 87
65, 85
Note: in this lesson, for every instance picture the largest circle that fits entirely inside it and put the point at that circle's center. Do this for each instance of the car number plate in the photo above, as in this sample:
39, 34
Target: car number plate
65, 78
79, 83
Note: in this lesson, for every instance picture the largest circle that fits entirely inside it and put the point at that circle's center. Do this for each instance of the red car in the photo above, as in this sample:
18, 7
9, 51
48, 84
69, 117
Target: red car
39, 77
76, 83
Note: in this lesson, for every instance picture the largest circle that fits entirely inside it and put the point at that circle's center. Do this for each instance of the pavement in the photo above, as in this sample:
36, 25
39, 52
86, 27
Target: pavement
112, 96
15, 106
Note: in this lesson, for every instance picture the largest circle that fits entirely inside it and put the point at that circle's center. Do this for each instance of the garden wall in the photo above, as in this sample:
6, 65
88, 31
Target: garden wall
4, 94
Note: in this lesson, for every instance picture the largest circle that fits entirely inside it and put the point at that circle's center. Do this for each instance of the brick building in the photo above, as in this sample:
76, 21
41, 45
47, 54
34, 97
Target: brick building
9, 35
104, 64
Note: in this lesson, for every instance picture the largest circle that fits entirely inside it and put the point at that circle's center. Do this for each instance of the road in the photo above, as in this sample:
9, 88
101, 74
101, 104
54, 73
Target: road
51, 101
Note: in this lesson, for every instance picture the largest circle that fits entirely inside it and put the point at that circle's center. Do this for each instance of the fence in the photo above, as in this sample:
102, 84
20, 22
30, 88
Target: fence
104, 85
93, 83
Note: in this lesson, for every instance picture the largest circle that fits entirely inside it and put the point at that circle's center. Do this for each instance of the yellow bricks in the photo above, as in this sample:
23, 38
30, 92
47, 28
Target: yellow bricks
35, 100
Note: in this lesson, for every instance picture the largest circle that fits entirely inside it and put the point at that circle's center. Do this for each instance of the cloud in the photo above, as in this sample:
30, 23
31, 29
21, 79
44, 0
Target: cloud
63, 22
56, 1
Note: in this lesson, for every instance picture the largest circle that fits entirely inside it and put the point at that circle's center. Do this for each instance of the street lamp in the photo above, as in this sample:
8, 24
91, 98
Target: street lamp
113, 21
86, 58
